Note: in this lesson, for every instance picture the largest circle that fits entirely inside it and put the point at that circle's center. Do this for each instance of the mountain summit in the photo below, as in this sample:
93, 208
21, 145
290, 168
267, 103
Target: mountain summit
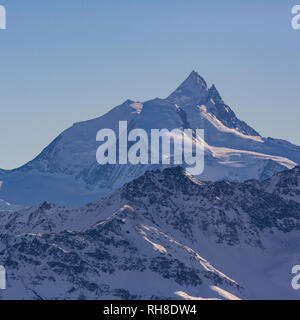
193, 90
66, 171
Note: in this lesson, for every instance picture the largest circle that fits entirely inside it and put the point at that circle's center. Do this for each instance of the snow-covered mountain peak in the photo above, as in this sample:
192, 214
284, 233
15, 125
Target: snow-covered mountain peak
194, 79
193, 90
66, 171
215, 95
285, 184
5, 206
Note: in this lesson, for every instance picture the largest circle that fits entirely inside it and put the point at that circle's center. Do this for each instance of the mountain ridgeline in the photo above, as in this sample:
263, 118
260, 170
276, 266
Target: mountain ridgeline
164, 235
66, 172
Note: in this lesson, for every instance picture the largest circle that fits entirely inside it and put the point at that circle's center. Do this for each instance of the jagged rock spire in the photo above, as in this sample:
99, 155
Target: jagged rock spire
192, 90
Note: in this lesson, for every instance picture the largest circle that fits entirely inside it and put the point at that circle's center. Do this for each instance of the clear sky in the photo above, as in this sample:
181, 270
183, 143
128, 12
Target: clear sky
64, 61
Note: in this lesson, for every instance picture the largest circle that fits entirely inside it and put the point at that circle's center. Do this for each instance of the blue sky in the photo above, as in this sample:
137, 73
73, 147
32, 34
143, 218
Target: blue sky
65, 61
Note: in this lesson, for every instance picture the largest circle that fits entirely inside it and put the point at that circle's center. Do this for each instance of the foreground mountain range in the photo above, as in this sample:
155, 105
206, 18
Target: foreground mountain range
66, 172
163, 235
